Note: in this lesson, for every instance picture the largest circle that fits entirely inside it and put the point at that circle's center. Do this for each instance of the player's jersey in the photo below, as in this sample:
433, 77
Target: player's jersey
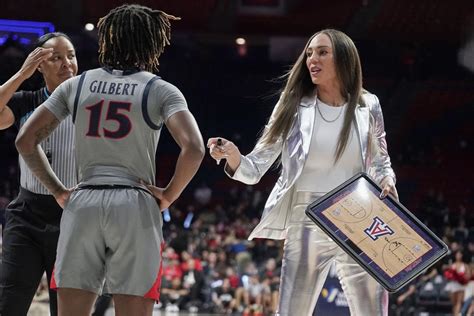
118, 118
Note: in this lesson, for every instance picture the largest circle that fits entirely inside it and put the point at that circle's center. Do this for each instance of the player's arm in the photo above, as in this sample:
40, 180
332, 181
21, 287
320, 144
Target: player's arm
185, 131
38, 127
34, 59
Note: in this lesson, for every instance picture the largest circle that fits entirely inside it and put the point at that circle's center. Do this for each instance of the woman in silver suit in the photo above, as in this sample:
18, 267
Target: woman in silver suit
325, 128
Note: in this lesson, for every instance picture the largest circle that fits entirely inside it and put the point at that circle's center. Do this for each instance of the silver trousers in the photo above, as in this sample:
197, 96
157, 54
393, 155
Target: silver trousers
307, 258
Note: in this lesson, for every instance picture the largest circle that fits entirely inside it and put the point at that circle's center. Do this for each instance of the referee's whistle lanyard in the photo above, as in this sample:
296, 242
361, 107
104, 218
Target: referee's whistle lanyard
46, 92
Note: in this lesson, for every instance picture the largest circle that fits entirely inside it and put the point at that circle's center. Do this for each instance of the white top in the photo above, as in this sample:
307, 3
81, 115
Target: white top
320, 174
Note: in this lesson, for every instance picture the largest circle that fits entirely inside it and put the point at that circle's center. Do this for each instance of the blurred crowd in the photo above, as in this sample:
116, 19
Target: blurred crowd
210, 266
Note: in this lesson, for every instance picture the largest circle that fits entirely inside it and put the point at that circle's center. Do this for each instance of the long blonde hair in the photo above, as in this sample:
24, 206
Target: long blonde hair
299, 84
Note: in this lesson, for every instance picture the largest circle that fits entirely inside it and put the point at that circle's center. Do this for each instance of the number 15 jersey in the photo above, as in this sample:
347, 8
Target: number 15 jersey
118, 116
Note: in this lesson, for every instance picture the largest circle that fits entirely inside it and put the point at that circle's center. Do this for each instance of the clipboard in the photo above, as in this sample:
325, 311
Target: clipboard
384, 237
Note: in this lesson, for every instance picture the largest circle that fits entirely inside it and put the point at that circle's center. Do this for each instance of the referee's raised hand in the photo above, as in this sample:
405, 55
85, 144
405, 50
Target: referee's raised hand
34, 59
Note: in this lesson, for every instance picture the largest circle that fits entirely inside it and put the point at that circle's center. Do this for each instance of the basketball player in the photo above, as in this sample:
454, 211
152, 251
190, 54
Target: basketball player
111, 224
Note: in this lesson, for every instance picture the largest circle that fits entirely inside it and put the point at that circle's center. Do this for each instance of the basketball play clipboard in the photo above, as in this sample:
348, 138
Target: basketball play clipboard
388, 241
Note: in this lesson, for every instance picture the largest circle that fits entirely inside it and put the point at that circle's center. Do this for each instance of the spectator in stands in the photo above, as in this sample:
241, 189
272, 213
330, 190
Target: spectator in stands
211, 269
460, 232
173, 296
424, 286
324, 86
193, 281
403, 302
171, 267
469, 252
270, 275
233, 277
253, 293
458, 274
223, 298
186, 258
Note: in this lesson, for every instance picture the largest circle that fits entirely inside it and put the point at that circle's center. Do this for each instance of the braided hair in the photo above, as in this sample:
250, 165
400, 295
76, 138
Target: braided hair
133, 36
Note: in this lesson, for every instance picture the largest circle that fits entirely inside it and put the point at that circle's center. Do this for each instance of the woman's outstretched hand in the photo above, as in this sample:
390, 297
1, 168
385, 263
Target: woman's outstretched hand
221, 148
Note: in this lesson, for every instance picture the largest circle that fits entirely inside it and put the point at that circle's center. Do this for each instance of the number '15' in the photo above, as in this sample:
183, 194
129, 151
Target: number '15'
114, 113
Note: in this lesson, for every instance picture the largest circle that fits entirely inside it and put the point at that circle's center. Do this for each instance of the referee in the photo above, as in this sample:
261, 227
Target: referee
31, 230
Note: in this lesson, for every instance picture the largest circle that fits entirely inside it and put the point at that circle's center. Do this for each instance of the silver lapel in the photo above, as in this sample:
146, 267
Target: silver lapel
362, 123
299, 141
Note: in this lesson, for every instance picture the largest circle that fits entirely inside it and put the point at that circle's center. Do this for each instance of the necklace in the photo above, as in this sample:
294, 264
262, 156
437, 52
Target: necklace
324, 119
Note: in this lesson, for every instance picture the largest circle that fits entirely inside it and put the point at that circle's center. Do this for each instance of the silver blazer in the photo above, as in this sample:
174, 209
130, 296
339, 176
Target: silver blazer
294, 150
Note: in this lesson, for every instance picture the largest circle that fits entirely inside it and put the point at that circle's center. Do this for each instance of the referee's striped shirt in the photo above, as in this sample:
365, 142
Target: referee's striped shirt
59, 148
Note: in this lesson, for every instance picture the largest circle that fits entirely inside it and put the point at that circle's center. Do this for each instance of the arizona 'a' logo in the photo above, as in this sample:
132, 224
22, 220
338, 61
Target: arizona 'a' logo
378, 229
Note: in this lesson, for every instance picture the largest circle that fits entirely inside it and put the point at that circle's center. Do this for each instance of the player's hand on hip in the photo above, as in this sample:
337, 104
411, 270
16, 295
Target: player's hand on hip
388, 187
62, 197
160, 194
221, 148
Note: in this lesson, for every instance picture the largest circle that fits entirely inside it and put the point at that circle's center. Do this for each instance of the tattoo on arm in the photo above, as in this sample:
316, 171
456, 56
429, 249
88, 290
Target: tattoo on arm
38, 163
44, 132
